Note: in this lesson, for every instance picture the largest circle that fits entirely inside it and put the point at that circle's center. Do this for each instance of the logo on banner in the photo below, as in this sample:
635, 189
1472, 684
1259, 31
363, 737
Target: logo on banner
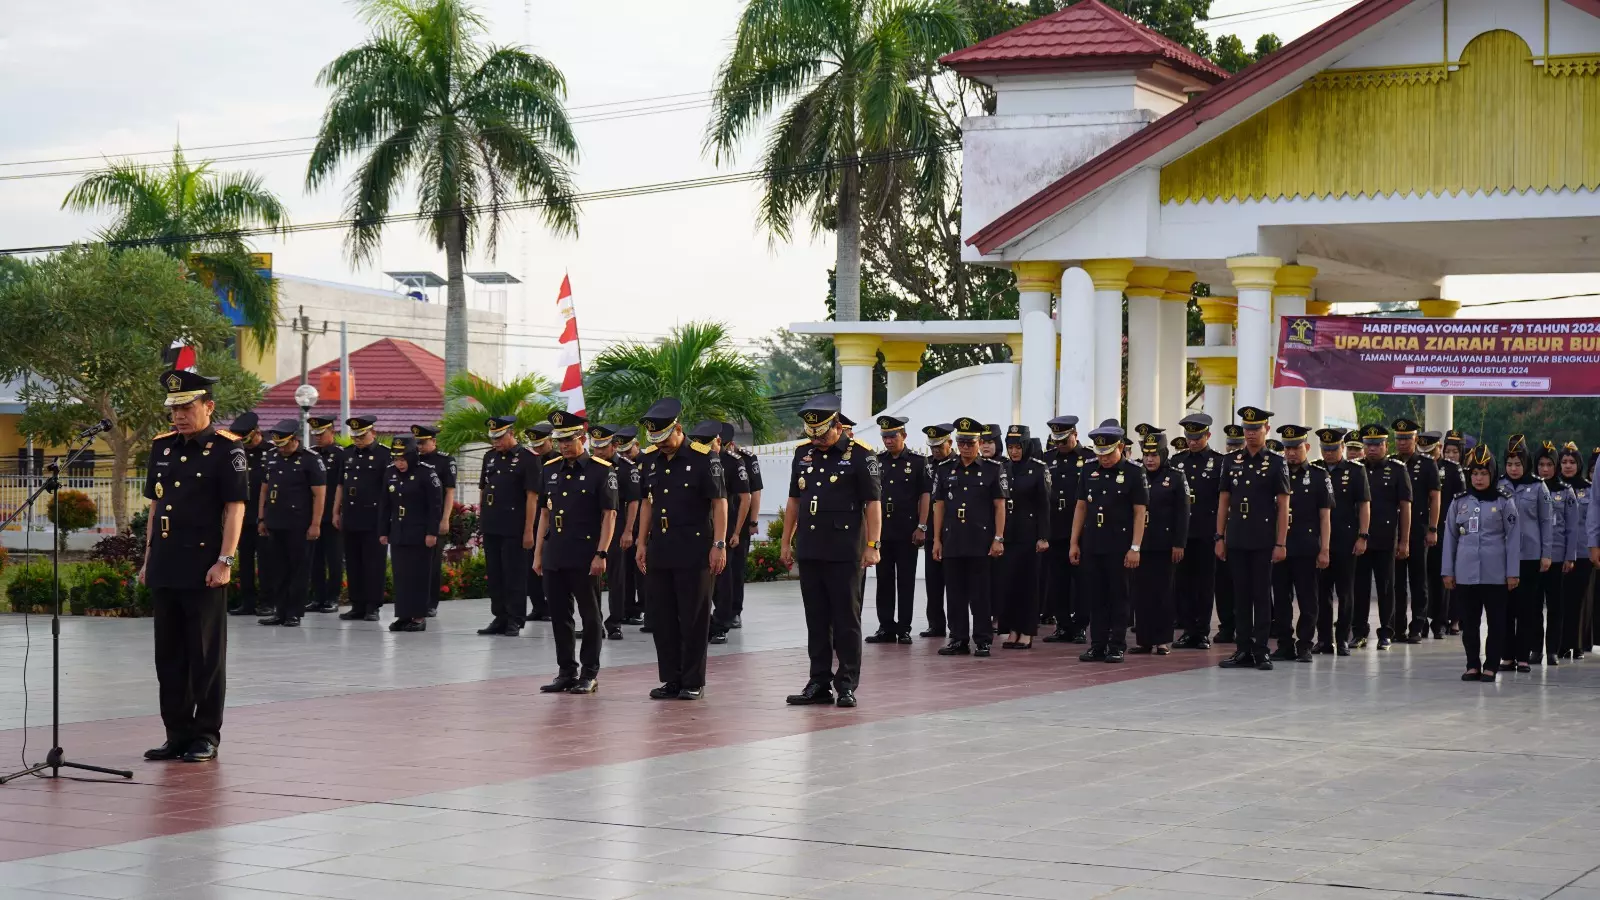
1302, 333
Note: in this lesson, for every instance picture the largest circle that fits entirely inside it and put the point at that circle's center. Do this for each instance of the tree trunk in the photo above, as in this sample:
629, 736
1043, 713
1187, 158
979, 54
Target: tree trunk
121, 453
455, 314
847, 263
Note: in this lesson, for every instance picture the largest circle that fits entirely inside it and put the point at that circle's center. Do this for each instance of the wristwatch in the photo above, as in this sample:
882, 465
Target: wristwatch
873, 545
1364, 536
1279, 547
1220, 537
600, 554
1134, 547
999, 540
1433, 529
226, 560
921, 527
719, 545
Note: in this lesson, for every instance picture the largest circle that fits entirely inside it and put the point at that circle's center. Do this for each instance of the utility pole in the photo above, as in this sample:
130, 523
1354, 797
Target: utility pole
344, 378
302, 325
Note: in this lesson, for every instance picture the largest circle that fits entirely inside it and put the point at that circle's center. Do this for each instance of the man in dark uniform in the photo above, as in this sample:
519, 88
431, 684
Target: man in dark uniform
737, 479
1354, 449
327, 555
1233, 442
507, 485
1411, 575
831, 525
198, 485
1202, 468
969, 526
1294, 580
989, 444
906, 497
444, 466
291, 520
1252, 533
738, 554
579, 494
1107, 529
627, 444
1347, 540
940, 455
248, 601
603, 446
1066, 460
1452, 484
681, 548
1389, 538
543, 449
358, 515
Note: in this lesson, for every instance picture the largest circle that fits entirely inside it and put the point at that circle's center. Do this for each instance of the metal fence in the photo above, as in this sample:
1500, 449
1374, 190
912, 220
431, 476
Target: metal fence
15, 489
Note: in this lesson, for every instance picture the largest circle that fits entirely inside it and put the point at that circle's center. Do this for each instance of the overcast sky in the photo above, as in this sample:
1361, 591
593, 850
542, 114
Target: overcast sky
90, 78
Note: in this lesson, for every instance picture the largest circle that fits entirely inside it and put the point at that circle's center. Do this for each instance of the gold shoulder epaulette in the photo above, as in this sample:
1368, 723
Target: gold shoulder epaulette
804, 443
863, 445
552, 460
603, 462
164, 434
649, 449
229, 435
698, 447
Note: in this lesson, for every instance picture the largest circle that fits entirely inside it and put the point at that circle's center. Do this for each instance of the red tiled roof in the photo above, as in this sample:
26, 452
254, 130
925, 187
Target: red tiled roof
388, 373
1087, 35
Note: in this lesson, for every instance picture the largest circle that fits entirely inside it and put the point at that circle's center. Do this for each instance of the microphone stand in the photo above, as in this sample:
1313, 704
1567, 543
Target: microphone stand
56, 759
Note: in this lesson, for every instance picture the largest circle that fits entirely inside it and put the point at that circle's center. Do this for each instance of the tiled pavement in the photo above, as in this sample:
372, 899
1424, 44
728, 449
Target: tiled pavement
368, 765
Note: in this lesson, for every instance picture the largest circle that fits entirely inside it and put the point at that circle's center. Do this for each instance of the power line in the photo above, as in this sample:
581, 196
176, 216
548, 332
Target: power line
1269, 12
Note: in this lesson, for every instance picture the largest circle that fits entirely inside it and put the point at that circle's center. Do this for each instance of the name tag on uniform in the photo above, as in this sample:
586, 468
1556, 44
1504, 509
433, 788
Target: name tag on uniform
1472, 524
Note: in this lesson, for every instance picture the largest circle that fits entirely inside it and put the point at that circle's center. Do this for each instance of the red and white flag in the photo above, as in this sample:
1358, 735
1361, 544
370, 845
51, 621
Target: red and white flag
571, 361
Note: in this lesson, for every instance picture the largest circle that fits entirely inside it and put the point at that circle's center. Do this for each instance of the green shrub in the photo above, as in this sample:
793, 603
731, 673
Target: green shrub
77, 600
763, 564
138, 524
105, 586
466, 579
30, 588
143, 601
5, 558
73, 511
775, 530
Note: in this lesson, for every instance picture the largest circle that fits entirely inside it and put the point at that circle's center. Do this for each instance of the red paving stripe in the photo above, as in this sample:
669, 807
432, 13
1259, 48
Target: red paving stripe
298, 756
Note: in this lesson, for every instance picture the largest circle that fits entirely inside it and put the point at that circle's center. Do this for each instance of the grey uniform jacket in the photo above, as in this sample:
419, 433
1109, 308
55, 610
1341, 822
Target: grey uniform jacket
1569, 521
1481, 539
1536, 520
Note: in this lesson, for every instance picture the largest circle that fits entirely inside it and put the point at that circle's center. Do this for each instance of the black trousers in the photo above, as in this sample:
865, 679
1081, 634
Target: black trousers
619, 580
248, 596
897, 585
1018, 601
1574, 597
830, 592
997, 591
1196, 587
327, 566
1524, 608
191, 640
1439, 599
288, 555
1061, 582
680, 618
1473, 603
411, 564
635, 586
1411, 583
934, 587
564, 589
722, 596
1549, 625
435, 573
508, 567
737, 557
1375, 565
967, 582
1154, 603
364, 558
1339, 577
1225, 597
1252, 598
1295, 582
1105, 579
534, 586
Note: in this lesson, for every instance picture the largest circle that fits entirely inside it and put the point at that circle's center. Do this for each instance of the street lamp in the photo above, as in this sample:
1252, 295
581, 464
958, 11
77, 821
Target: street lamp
305, 397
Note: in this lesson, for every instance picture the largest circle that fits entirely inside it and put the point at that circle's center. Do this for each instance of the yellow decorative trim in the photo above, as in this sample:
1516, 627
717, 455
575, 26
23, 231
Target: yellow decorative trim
856, 349
1179, 286
1439, 309
1014, 341
1219, 310
1108, 274
1572, 64
1146, 281
903, 356
1496, 126
1294, 281
1255, 273
1319, 307
1372, 77
1038, 276
1214, 370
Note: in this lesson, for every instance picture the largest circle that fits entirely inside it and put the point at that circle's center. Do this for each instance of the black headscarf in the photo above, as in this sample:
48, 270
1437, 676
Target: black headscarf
1581, 480
1481, 459
1548, 451
1518, 448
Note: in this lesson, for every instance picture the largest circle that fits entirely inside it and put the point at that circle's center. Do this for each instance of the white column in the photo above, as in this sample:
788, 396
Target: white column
858, 353
1253, 278
902, 360
1110, 280
1289, 296
1218, 312
1172, 378
1313, 397
1075, 321
1439, 409
1144, 343
1036, 281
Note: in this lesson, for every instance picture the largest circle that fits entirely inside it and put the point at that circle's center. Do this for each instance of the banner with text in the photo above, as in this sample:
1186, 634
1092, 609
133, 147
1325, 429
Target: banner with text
1468, 357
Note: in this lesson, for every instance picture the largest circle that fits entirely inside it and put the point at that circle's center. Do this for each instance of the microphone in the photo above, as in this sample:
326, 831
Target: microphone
102, 426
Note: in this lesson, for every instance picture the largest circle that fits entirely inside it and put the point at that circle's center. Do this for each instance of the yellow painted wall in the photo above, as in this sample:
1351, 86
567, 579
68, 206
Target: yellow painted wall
11, 441
1496, 124
263, 365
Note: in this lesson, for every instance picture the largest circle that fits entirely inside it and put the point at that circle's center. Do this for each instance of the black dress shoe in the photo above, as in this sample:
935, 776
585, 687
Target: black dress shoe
539, 617
1471, 676
511, 632
291, 622
270, 620
1186, 642
397, 623
1341, 649
1384, 643
432, 613
1550, 660
813, 694
169, 750
737, 623
614, 633
847, 700
200, 751
242, 611
586, 685
633, 620
1303, 655
668, 691
904, 638
1093, 654
1240, 660
559, 685
1324, 648
718, 637
1114, 655
1202, 642
1523, 666
881, 637
1264, 664
1057, 637
1284, 653
956, 648
981, 648
1142, 650
932, 632
1163, 651
1010, 645
1411, 639
412, 625
1488, 675
646, 629
1224, 636
691, 693
1080, 636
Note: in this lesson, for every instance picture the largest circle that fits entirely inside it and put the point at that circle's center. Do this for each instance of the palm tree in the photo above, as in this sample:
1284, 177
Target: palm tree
478, 128
853, 70
696, 364
194, 215
470, 400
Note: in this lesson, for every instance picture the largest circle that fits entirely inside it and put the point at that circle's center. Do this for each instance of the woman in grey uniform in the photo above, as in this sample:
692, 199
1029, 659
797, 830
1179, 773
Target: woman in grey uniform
1535, 550
1563, 501
1575, 583
1479, 561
